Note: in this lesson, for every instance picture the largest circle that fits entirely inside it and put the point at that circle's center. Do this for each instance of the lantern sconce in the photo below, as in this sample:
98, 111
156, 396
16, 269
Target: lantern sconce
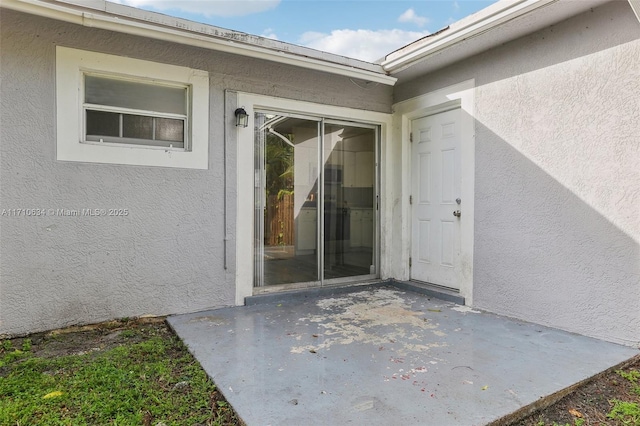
242, 118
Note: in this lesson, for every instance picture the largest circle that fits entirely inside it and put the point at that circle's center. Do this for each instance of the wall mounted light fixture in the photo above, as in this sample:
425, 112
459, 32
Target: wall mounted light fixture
242, 118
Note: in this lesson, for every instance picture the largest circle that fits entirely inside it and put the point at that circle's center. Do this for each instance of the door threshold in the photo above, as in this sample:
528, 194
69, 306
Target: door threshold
279, 288
439, 292
273, 294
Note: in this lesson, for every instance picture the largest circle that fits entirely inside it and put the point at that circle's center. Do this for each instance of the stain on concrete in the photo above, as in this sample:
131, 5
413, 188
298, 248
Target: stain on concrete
464, 309
376, 317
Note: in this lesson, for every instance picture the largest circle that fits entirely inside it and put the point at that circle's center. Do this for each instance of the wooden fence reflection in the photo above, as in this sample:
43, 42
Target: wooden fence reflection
279, 221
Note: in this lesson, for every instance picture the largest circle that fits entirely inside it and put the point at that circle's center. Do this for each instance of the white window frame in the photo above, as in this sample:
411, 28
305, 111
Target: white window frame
147, 143
71, 67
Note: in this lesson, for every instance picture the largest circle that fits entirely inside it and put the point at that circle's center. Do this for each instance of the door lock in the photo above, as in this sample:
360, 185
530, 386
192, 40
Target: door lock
457, 213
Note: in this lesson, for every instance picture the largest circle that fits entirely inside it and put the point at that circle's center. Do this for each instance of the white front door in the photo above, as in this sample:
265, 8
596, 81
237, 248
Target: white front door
436, 206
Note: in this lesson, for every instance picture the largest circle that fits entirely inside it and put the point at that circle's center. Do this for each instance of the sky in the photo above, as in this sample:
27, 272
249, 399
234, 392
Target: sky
361, 29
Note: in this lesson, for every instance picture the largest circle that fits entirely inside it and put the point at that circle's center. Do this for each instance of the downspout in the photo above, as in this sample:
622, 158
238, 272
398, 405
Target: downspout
224, 174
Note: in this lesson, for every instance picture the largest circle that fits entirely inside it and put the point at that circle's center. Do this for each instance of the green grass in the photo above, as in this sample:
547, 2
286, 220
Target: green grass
628, 413
632, 375
129, 384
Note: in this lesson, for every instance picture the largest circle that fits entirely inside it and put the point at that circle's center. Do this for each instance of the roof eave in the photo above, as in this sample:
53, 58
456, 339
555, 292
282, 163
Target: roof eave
155, 26
480, 23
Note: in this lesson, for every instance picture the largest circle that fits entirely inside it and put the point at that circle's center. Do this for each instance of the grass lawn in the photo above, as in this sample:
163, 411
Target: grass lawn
117, 373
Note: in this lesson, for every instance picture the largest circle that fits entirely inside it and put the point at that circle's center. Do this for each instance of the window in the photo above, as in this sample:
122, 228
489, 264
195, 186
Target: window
130, 111
137, 113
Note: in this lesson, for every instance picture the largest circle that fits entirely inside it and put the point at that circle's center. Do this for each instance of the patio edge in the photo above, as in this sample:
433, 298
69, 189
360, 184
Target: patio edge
549, 400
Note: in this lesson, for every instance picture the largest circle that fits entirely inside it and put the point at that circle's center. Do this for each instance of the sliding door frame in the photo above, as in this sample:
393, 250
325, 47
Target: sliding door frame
245, 236
376, 209
261, 202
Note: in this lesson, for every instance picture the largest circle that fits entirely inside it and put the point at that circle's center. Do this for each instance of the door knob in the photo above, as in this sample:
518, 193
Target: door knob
457, 213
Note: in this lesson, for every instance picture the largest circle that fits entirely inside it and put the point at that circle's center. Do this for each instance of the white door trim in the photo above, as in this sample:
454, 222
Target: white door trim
460, 95
245, 173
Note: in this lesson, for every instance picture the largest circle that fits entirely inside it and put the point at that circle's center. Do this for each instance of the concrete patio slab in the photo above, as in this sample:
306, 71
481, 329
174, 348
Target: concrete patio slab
381, 355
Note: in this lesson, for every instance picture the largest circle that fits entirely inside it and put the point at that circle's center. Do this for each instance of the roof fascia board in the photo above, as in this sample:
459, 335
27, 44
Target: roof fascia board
399, 60
635, 5
158, 32
169, 21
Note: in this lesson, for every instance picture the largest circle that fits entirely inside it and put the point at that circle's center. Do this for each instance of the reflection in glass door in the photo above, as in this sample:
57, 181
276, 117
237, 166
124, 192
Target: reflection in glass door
287, 164
301, 194
349, 200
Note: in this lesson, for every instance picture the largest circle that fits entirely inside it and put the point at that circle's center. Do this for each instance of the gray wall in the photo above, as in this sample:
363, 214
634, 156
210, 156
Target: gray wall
557, 179
166, 256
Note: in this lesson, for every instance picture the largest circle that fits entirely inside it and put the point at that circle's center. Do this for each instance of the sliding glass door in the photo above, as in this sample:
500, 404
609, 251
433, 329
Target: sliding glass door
349, 200
315, 200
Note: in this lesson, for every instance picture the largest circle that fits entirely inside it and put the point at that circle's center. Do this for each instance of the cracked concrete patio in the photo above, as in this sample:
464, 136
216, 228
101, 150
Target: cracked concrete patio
380, 355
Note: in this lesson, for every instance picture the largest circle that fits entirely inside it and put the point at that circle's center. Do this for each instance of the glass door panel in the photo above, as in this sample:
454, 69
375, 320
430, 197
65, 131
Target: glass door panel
287, 191
349, 200
315, 200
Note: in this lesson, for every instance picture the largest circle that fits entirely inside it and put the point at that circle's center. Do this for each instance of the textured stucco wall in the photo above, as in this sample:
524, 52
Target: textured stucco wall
557, 179
166, 256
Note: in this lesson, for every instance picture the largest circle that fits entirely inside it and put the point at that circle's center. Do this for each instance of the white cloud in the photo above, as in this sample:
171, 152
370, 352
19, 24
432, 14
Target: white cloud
365, 45
269, 33
207, 8
410, 16
456, 6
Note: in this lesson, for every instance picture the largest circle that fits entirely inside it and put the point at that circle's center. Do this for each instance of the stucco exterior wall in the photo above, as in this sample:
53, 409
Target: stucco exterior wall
557, 177
167, 255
